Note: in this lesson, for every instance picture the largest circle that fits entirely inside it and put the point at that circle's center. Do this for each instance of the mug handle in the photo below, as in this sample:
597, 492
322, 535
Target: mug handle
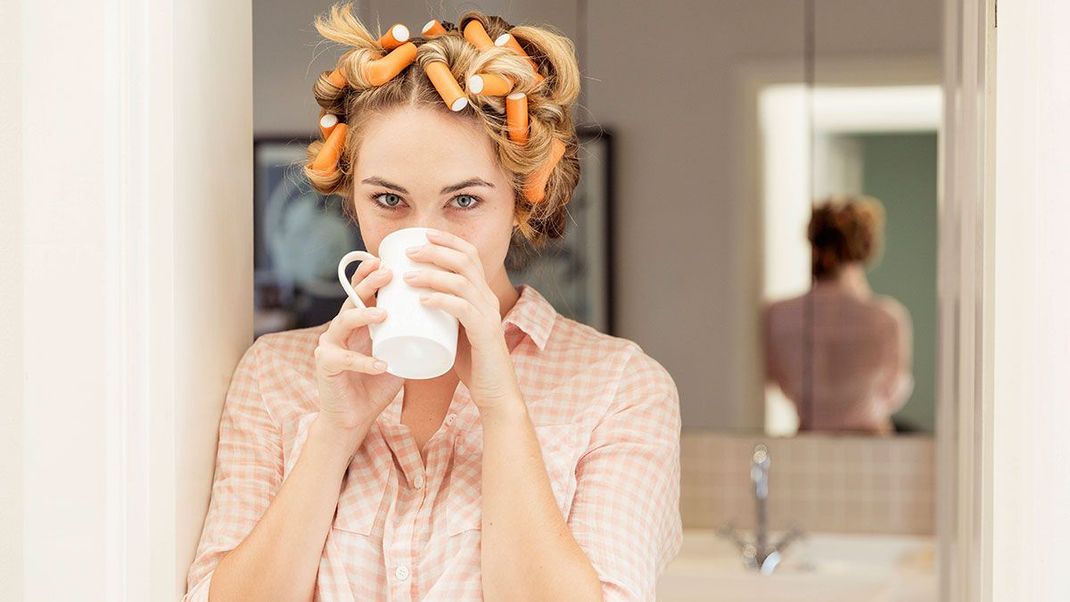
347, 259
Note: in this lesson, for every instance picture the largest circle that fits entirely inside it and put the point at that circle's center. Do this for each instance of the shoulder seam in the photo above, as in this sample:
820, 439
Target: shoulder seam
257, 365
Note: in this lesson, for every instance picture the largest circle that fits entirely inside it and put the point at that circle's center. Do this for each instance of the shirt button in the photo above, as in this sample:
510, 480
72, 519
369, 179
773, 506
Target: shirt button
401, 572
418, 481
450, 418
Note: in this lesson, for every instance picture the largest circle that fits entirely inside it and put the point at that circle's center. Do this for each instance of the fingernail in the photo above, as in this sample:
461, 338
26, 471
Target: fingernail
412, 250
410, 275
380, 365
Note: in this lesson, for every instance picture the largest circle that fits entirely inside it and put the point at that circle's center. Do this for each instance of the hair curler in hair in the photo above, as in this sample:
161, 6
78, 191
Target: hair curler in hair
508, 41
382, 70
433, 29
326, 160
535, 186
337, 79
397, 35
327, 123
516, 117
477, 35
489, 84
440, 75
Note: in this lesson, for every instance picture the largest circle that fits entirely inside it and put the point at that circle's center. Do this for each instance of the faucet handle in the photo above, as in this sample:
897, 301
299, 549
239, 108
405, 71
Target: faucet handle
728, 531
793, 534
760, 457
759, 470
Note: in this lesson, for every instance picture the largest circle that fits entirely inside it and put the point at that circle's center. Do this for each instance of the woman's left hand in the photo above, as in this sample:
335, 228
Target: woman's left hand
483, 362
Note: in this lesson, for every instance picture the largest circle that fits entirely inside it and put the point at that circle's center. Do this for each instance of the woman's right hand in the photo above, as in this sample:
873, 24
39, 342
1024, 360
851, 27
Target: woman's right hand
353, 391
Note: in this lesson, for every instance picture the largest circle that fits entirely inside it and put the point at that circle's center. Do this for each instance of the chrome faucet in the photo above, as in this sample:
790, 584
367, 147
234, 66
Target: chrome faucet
759, 555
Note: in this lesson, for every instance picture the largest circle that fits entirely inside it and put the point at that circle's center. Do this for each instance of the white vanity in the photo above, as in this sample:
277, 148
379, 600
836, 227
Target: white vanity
821, 567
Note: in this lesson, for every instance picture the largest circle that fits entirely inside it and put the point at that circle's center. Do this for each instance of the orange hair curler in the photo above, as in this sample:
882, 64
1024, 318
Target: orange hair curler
448, 88
477, 35
508, 41
535, 186
397, 35
382, 70
327, 123
516, 117
490, 84
326, 160
337, 79
433, 29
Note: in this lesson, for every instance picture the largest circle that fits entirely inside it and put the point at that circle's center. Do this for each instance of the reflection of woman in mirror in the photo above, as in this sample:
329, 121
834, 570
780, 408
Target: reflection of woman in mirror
546, 462
840, 353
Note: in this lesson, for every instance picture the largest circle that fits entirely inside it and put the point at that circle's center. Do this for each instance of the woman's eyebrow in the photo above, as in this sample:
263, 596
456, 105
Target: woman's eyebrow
384, 183
452, 188
466, 184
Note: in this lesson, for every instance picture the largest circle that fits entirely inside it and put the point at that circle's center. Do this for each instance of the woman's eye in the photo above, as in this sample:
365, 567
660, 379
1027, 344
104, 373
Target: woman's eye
391, 201
466, 201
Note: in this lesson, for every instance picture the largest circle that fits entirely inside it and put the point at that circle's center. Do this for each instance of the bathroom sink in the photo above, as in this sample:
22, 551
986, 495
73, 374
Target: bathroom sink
822, 567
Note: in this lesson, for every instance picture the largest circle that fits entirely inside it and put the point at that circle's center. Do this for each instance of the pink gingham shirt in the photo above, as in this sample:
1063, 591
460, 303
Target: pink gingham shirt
607, 418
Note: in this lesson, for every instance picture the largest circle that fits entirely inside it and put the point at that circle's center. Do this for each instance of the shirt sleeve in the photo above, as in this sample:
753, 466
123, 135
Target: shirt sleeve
626, 511
248, 473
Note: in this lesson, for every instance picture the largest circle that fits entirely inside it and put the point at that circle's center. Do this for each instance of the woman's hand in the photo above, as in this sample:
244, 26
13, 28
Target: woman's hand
483, 362
354, 387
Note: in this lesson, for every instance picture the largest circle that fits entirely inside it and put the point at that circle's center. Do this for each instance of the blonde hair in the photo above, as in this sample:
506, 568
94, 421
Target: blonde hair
549, 105
843, 229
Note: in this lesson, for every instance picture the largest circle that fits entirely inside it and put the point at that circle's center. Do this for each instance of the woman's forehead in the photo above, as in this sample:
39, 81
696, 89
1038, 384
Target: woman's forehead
409, 140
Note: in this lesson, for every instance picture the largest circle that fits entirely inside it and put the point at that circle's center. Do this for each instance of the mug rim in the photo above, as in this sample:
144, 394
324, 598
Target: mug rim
406, 229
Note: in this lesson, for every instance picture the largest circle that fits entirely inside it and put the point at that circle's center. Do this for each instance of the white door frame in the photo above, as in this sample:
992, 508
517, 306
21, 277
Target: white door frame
130, 124
1004, 293
964, 297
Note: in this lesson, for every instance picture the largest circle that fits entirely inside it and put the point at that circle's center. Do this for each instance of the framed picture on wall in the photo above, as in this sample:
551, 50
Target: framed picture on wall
299, 236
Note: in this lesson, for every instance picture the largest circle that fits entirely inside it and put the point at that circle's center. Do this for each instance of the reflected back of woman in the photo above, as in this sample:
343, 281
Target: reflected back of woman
839, 352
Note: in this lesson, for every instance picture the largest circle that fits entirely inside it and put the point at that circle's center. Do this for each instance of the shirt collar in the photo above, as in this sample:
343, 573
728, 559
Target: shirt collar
533, 314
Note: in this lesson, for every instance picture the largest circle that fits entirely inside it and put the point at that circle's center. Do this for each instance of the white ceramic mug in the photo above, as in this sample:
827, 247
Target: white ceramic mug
414, 340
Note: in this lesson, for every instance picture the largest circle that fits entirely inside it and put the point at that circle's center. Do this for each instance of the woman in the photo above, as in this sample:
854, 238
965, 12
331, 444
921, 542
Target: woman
544, 466
839, 352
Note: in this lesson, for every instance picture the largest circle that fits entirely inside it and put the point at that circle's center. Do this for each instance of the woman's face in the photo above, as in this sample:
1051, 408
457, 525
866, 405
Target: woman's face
420, 167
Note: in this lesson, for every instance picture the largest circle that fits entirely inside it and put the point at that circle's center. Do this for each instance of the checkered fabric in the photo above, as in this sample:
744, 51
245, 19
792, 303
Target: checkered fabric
607, 418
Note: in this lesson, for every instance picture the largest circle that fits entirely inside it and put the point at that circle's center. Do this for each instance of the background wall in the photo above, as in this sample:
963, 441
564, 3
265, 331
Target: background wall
1027, 439
664, 85
900, 170
11, 331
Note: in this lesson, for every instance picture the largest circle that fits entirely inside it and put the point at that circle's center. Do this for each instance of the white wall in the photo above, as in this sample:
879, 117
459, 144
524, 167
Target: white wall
11, 331
1030, 420
126, 228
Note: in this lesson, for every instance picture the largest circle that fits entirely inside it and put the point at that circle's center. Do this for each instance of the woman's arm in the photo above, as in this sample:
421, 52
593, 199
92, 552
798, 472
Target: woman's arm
626, 512
899, 383
280, 558
528, 552
625, 524
263, 536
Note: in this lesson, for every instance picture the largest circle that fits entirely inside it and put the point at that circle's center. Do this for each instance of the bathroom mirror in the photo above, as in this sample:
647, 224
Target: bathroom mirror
848, 194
